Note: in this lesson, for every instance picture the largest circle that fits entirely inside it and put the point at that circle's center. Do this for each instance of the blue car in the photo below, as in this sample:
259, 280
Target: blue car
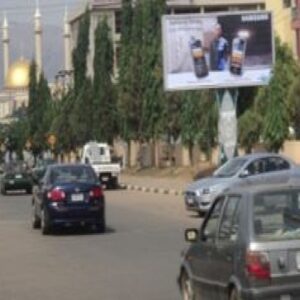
68, 195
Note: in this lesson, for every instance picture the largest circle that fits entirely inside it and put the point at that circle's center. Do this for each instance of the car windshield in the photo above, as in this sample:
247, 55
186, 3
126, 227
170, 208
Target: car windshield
231, 167
65, 174
277, 216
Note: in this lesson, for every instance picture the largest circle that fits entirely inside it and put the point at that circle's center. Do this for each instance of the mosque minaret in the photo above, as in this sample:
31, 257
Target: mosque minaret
38, 39
67, 42
5, 40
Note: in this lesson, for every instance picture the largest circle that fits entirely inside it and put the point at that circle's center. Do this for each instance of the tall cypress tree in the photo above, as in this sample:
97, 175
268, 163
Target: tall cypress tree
33, 99
124, 67
104, 106
81, 51
152, 80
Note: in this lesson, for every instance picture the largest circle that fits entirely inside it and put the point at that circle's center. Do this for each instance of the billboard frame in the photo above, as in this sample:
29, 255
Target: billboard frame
227, 13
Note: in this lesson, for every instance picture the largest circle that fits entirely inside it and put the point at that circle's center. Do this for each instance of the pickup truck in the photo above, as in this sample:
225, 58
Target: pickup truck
99, 157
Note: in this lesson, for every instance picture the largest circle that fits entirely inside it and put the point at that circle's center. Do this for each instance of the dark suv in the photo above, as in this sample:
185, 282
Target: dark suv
248, 247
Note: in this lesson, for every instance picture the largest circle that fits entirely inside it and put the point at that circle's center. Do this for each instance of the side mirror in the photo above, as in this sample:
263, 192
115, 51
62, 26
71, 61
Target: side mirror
191, 235
244, 174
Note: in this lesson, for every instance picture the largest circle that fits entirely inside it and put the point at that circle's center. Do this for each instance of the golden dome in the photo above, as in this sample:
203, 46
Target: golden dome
18, 75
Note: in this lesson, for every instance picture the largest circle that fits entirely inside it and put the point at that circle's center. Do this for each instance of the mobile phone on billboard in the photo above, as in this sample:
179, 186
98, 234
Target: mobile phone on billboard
238, 54
199, 59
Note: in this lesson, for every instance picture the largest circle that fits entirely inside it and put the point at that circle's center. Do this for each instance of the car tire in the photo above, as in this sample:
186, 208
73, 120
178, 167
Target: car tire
201, 214
29, 191
100, 227
3, 191
45, 224
234, 295
187, 288
36, 221
114, 184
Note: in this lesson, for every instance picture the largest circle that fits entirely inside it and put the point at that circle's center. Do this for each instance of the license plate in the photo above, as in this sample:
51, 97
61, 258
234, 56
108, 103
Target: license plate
285, 297
18, 176
104, 178
11, 182
77, 197
298, 260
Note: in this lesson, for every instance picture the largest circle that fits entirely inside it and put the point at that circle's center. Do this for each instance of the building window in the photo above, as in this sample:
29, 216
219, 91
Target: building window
210, 9
187, 10
287, 3
118, 21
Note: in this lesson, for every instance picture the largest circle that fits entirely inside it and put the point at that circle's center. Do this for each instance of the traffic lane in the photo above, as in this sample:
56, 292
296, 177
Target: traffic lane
137, 259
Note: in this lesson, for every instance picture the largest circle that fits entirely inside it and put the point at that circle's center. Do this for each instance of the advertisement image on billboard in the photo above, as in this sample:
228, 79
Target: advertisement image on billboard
217, 50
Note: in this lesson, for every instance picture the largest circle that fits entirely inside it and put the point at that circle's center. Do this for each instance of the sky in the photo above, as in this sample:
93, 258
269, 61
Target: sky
52, 11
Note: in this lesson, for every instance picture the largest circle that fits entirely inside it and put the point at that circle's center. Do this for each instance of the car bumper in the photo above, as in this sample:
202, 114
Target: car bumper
17, 186
199, 204
87, 215
281, 292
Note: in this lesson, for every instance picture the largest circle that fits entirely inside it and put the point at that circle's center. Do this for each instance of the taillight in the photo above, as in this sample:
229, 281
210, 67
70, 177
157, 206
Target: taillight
56, 195
96, 192
258, 265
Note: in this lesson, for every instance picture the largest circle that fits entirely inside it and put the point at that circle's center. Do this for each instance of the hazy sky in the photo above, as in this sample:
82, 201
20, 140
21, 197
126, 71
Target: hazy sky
22, 10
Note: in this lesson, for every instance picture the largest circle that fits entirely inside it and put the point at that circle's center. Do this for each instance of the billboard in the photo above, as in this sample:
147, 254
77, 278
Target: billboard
217, 50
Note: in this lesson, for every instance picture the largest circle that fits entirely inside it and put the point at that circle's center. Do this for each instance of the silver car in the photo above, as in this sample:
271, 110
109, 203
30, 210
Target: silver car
259, 168
248, 247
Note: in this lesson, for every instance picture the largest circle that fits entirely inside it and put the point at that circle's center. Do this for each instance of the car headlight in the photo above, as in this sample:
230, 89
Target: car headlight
211, 190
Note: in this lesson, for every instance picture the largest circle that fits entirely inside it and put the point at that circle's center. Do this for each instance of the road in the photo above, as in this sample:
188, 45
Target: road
137, 259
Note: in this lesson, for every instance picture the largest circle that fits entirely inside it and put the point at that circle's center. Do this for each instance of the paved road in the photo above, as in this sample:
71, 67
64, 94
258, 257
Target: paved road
137, 259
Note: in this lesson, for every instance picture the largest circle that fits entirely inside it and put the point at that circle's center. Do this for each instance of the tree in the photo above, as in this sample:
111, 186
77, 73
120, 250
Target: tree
190, 121
208, 131
33, 100
81, 51
294, 105
104, 106
81, 114
250, 127
124, 97
152, 80
44, 100
272, 100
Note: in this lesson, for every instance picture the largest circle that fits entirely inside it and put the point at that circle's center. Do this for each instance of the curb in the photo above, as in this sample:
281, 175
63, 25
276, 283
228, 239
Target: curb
152, 190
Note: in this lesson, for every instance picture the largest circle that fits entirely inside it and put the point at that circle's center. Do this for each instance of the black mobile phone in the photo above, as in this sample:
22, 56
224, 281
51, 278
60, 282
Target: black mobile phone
198, 55
238, 53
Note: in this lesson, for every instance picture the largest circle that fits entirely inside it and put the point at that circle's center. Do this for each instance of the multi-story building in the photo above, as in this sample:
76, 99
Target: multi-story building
112, 10
296, 25
284, 13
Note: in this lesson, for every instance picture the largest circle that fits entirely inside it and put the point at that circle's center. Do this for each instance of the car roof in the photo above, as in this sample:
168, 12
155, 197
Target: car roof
257, 189
260, 155
57, 165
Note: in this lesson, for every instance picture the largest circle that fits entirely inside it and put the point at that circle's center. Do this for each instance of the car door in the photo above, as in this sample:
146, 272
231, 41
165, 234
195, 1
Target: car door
200, 256
256, 171
226, 252
278, 170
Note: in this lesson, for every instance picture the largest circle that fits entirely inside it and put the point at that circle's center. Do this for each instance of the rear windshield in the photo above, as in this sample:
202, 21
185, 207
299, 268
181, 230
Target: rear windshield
277, 216
65, 174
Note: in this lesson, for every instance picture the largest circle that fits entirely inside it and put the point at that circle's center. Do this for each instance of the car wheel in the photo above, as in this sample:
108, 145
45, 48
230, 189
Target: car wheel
114, 184
234, 295
36, 221
201, 214
29, 191
3, 191
100, 227
187, 288
45, 224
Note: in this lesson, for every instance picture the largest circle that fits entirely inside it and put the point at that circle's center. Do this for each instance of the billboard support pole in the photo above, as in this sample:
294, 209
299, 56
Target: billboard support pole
227, 127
